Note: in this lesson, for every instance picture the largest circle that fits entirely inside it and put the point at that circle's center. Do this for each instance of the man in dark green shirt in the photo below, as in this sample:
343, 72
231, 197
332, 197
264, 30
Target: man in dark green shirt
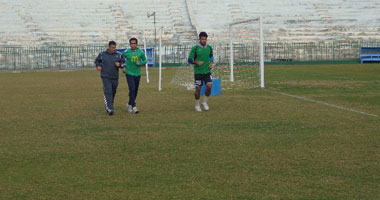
135, 58
201, 56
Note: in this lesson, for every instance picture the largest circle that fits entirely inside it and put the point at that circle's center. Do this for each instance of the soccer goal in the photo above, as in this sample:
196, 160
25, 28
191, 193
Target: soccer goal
261, 48
244, 67
238, 63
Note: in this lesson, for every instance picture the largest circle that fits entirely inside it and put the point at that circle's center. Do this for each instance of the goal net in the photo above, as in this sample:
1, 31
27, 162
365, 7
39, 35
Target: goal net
240, 63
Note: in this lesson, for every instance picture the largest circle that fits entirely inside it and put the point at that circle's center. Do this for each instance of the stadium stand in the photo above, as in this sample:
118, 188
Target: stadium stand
296, 20
369, 54
72, 22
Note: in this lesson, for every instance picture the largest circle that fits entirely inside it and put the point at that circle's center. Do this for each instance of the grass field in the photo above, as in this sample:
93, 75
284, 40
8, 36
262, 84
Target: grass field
56, 141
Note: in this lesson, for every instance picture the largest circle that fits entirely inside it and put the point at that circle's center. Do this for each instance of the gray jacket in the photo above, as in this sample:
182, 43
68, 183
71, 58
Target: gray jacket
107, 61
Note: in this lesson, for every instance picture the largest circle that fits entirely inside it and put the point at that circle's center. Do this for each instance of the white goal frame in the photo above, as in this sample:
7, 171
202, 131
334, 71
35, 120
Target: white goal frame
261, 43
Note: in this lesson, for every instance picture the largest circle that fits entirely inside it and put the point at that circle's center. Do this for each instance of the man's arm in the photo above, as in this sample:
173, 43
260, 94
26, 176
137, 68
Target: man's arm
98, 62
143, 59
122, 61
119, 64
211, 58
211, 64
191, 58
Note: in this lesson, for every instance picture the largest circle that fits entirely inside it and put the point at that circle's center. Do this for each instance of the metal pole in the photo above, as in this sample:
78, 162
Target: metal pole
155, 35
262, 85
231, 57
154, 23
160, 63
146, 65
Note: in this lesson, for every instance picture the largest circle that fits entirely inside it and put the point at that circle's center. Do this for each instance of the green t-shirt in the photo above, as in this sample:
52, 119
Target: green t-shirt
131, 57
201, 54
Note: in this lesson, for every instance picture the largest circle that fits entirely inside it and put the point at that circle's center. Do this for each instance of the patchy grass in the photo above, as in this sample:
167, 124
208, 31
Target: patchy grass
58, 143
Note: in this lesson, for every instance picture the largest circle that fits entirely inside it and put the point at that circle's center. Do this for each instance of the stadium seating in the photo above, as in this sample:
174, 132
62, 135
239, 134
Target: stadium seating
369, 54
294, 20
72, 22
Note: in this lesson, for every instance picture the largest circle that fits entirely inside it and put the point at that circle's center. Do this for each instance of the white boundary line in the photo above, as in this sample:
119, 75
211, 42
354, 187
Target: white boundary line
324, 103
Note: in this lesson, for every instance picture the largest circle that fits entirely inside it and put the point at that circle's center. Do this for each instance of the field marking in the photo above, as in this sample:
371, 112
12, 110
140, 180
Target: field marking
324, 103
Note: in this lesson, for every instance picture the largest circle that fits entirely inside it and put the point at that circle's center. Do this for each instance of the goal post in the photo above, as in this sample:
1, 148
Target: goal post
261, 44
238, 52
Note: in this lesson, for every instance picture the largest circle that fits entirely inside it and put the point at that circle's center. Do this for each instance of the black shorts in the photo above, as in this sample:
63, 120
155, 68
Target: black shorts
200, 78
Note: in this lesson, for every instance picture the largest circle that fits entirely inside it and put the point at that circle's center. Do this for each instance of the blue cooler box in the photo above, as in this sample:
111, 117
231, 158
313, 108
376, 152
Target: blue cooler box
215, 89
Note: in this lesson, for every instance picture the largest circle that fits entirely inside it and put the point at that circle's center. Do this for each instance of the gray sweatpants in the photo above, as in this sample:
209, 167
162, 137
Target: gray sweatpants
109, 87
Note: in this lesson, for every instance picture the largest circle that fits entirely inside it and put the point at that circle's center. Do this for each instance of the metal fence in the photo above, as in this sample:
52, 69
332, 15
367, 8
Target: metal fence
62, 57
316, 51
44, 57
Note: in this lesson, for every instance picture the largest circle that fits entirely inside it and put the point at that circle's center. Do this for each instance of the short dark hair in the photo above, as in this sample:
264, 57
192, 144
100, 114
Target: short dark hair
130, 40
111, 43
203, 34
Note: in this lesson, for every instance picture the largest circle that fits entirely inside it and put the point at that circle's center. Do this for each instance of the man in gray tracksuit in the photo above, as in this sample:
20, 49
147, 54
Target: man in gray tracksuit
109, 62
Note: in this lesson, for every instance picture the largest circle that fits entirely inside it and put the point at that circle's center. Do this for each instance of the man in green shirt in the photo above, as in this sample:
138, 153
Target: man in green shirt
135, 58
201, 56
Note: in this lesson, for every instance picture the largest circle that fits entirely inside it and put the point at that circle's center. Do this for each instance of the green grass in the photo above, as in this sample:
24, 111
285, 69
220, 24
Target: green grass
56, 141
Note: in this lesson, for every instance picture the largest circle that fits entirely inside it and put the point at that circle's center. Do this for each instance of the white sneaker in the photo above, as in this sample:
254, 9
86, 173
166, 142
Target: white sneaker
198, 109
205, 106
135, 110
130, 110
109, 112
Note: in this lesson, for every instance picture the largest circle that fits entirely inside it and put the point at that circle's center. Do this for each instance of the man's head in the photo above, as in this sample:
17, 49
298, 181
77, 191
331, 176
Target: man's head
203, 38
112, 46
133, 43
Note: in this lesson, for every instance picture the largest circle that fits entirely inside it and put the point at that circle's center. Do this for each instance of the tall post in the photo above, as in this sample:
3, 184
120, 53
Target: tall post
155, 34
261, 53
231, 56
146, 65
160, 63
